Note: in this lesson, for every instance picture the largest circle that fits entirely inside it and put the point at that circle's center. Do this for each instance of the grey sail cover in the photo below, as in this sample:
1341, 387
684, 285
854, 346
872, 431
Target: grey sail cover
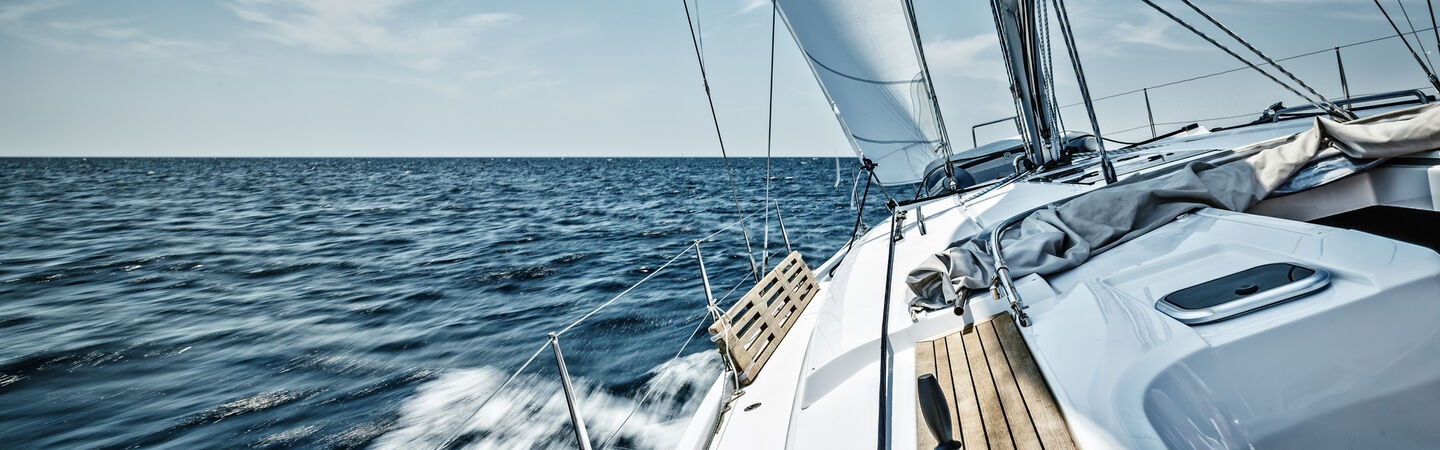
1054, 239
868, 62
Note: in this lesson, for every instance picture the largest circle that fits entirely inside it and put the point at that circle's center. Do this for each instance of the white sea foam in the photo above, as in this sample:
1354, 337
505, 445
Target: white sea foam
531, 411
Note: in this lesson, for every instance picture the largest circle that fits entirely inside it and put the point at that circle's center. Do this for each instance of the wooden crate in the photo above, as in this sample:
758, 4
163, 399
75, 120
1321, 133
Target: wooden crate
752, 329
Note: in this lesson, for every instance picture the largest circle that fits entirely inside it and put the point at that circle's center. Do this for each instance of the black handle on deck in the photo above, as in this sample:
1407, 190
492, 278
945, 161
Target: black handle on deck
936, 410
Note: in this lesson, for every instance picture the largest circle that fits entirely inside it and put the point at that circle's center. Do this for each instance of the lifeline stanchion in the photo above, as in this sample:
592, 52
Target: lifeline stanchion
581, 436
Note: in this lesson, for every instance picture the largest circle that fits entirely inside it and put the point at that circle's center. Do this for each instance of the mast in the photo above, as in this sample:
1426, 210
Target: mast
1016, 23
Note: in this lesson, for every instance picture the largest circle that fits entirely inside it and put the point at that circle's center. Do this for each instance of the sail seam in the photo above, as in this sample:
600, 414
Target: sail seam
862, 80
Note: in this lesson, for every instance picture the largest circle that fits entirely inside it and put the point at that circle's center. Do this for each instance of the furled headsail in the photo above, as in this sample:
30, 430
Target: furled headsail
866, 55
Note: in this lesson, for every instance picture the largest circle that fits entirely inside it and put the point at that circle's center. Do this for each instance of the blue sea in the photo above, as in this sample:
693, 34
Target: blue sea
353, 303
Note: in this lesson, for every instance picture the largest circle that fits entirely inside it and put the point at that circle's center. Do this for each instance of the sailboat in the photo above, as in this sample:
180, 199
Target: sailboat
1269, 285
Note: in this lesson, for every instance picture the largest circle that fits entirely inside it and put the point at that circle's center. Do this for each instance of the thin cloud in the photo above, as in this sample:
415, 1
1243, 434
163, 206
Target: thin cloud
975, 57
103, 36
1155, 32
751, 6
17, 11
109, 35
368, 27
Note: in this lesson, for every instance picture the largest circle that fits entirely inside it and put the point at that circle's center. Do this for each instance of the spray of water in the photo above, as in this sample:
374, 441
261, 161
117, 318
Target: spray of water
531, 412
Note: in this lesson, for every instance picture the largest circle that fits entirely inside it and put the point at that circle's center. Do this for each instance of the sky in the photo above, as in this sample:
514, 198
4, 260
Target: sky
594, 78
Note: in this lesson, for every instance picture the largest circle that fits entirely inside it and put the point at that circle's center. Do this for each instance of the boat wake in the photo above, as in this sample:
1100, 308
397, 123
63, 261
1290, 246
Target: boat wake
531, 411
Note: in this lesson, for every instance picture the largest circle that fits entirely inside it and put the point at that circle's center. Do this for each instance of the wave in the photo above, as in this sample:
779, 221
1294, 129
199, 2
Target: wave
531, 411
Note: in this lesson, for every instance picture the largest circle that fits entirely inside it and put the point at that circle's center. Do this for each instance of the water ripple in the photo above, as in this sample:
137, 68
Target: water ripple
365, 302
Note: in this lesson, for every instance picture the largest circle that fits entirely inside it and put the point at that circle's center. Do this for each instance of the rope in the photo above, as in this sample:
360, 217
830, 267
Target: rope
885, 352
1233, 54
1335, 110
714, 118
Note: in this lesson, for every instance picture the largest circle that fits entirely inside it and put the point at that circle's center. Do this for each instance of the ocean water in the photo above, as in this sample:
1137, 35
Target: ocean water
346, 303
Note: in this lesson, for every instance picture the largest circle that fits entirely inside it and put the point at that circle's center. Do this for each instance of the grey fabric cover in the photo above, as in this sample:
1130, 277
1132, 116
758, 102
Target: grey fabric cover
1058, 238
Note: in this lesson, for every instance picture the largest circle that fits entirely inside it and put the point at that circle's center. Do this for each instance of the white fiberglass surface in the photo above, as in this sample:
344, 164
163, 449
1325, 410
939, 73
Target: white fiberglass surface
1356, 364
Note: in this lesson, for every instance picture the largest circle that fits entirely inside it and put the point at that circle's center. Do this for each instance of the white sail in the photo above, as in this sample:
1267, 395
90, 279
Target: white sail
867, 59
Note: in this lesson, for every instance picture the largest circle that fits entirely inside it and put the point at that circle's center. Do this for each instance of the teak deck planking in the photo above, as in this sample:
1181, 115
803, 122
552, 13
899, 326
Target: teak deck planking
998, 398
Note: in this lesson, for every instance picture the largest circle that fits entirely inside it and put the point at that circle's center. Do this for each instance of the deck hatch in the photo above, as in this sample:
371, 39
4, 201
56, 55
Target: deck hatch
1242, 292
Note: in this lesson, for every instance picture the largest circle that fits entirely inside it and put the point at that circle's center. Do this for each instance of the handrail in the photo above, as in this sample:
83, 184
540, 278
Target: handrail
1418, 94
975, 142
1143, 90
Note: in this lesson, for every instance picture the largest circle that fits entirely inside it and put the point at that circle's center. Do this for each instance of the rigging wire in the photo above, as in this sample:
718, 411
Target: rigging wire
714, 118
859, 215
1428, 73
1237, 69
1227, 50
1417, 36
1107, 169
1431, 6
1335, 109
769, 140
1047, 65
930, 89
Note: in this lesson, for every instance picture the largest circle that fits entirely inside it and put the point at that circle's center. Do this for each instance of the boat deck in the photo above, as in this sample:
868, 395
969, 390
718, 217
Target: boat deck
998, 398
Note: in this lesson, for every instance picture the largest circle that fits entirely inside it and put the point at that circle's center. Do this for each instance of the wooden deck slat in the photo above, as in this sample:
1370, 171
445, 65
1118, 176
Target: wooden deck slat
942, 375
1016, 414
925, 364
967, 406
1049, 423
997, 431
999, 398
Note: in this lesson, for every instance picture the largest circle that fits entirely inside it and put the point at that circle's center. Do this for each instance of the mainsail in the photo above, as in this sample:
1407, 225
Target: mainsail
866, 55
